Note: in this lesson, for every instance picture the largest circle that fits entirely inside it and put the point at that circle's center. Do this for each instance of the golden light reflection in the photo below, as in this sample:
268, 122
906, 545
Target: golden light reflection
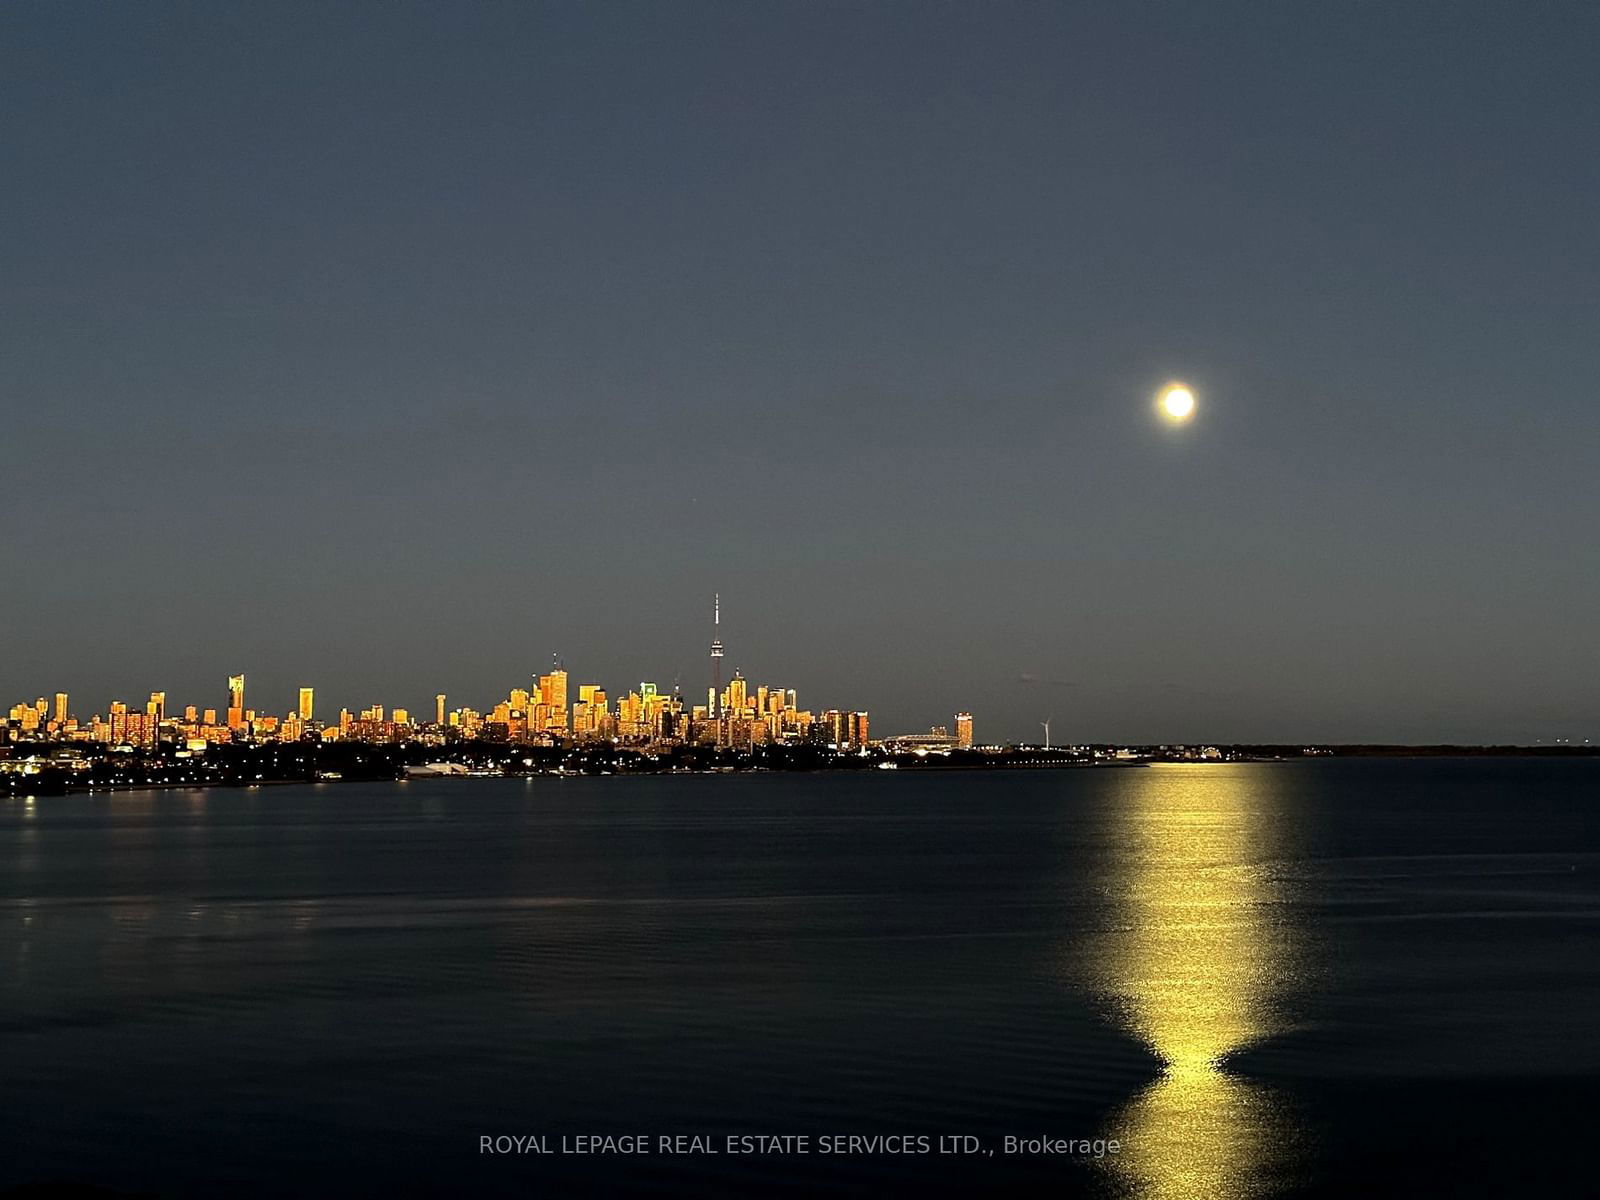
1198, 968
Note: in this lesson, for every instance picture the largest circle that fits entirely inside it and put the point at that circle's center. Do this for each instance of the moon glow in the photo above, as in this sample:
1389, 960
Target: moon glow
1176, 403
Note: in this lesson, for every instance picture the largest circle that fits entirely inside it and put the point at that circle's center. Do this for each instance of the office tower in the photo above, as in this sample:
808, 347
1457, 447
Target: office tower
210, 716
308, 703
157, 708
119, 722
553, 695
438, 709
834, 728
61, 708
964, 730
858, 729
401, 717
235, 701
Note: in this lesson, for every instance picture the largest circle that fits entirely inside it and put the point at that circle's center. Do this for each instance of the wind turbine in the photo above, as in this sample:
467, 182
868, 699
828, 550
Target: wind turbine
1046, 725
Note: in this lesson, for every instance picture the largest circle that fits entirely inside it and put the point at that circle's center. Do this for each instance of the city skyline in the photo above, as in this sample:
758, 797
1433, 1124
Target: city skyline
738, 713
546, 711
1067, 704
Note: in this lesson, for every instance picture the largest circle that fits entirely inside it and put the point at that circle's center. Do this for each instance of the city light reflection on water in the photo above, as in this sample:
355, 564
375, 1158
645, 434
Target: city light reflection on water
1200, 963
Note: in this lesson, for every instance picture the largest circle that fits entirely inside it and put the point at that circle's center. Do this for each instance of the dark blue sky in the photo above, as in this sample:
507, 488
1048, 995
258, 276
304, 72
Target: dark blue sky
391, 347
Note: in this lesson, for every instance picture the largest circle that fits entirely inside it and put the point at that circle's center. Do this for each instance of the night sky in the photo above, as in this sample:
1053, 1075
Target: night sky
391, 348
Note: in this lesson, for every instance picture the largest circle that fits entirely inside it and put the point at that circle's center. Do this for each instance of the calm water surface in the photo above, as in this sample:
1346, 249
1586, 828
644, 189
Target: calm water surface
1319, 978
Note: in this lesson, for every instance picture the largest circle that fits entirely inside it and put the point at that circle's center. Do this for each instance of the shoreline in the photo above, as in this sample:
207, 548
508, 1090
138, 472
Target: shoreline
887, 766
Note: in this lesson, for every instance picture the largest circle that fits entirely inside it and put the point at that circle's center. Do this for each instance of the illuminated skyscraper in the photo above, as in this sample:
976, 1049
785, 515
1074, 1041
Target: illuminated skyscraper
438, 709
61, 708
119, 722
307, 703
858, 729
157, 707
553, 694
964, 730
235, 701
836, 728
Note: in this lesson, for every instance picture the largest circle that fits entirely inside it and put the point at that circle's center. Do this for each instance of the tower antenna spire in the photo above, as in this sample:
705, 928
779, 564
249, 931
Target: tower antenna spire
716, 663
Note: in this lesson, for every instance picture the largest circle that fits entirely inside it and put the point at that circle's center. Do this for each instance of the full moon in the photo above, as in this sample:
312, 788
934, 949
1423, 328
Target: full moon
1177, 403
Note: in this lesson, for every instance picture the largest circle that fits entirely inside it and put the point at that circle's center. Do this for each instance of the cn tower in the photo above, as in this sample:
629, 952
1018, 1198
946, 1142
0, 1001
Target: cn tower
716, 661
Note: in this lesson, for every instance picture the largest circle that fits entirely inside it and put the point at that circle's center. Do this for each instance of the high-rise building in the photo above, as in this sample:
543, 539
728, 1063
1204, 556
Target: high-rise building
438, 709
553, 695
964, 730
61, 708
235, 701
119, 722
835, 728
157, 708
858, 729
308, 703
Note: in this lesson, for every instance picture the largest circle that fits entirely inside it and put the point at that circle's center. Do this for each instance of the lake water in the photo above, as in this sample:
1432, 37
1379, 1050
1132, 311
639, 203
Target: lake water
1345, 977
